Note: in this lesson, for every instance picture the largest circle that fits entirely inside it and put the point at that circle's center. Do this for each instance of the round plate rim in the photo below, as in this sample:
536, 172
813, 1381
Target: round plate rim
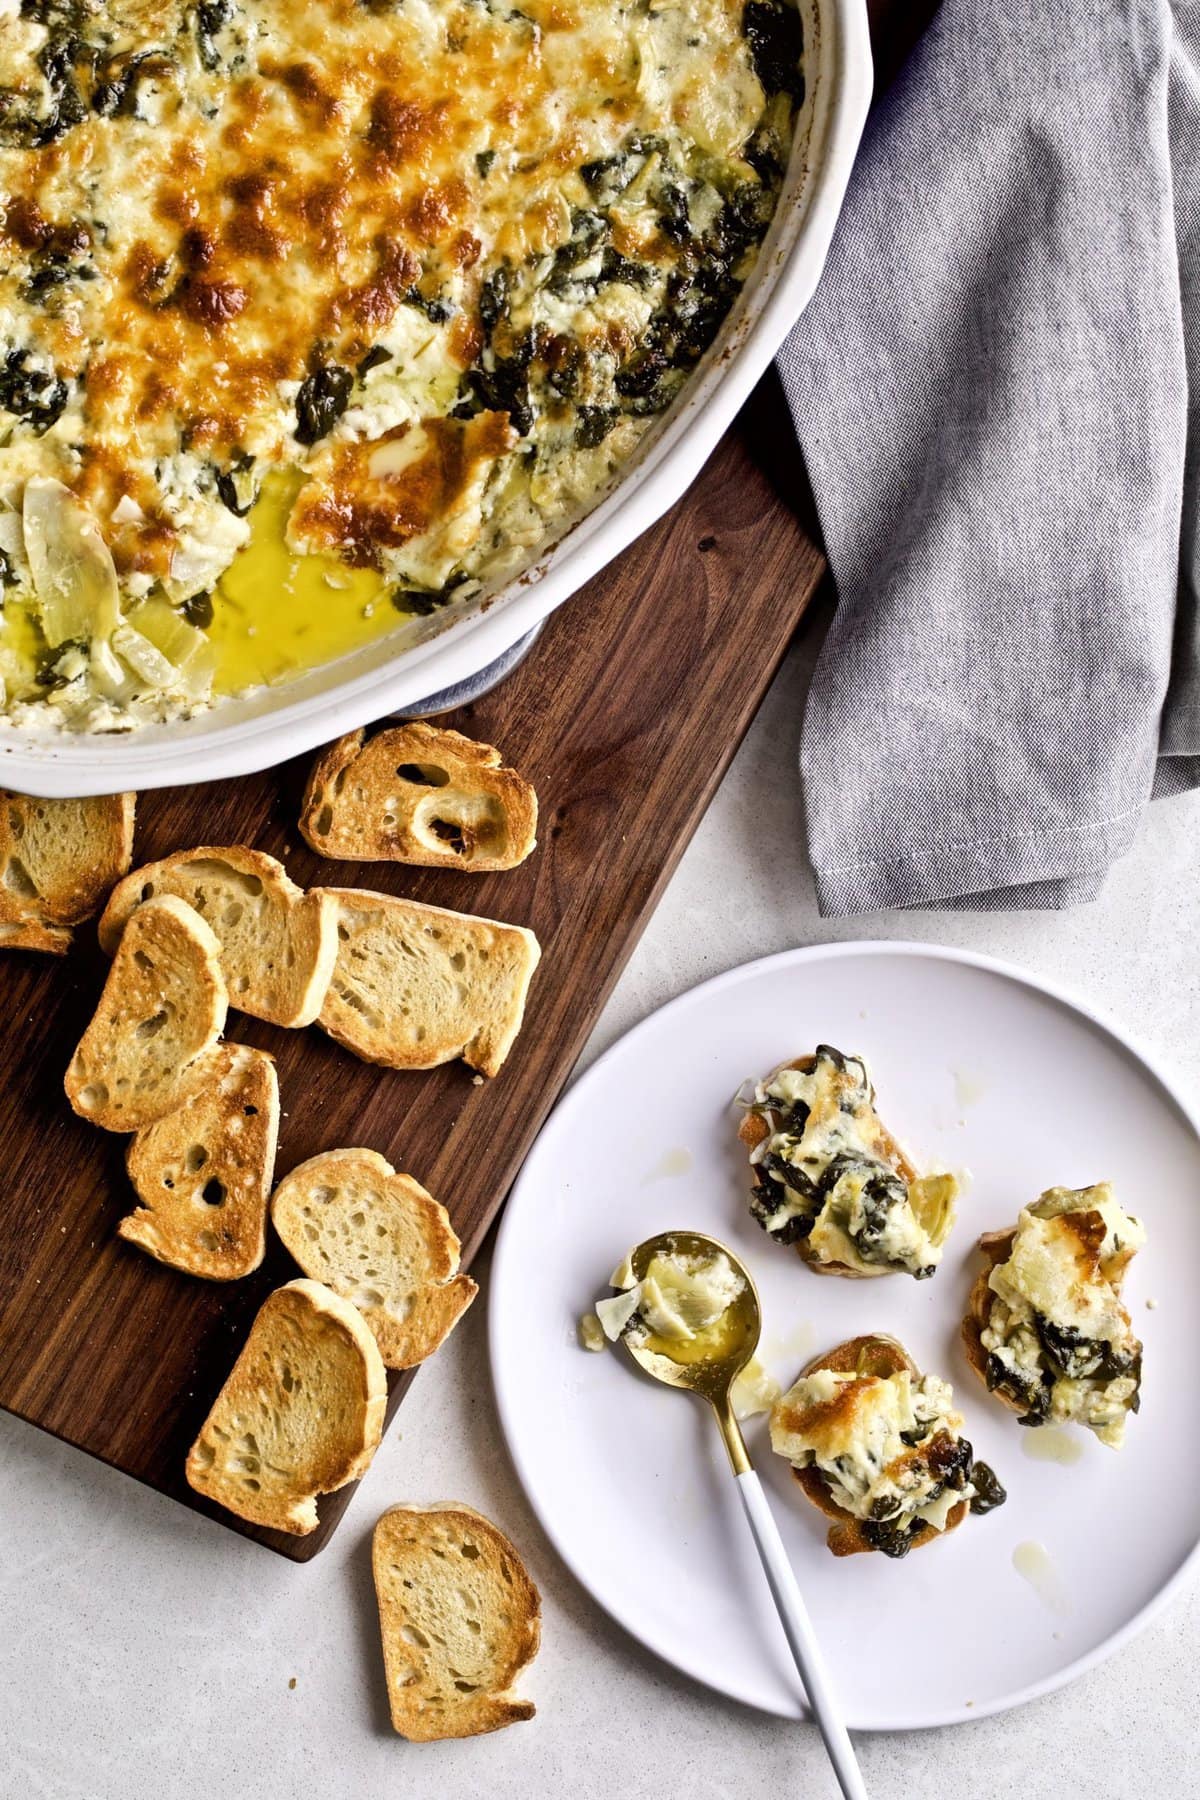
731, 1688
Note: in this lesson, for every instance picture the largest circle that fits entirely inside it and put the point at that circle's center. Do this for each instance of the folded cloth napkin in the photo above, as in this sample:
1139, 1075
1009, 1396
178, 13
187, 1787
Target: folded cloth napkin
991, 391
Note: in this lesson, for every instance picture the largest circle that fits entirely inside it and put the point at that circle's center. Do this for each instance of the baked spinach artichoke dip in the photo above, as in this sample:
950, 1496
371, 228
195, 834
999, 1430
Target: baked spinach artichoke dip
314, 317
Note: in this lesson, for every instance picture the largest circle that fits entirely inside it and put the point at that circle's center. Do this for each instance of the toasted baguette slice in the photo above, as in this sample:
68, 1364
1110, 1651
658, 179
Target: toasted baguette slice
419, 794
147, 1049
203, 1174
875, 1354
460, 1619
414, 986
58, 859
277, 943
300, 1415
378, 1239
997, 1248
55, 939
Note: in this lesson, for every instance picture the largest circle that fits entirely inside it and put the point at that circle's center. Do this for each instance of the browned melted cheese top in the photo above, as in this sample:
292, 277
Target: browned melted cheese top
827, 1424
204, 207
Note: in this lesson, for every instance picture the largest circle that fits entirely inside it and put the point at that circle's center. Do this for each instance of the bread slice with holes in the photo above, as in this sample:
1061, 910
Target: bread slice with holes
300, 1415
378, 1239
203, 1173
419, 794
148, 1047
58, 859
414, 985
277, 943
460, 1619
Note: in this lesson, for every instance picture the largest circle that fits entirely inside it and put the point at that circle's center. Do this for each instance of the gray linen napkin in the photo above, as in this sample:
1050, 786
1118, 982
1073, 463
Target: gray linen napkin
991, 393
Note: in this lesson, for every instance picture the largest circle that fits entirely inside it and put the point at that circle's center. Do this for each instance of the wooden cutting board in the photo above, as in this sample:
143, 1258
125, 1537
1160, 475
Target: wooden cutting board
625, 716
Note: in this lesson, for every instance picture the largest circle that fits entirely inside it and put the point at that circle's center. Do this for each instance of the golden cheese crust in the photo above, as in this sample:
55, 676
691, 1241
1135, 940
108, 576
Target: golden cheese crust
446, 259
1046, 1330
830, 1426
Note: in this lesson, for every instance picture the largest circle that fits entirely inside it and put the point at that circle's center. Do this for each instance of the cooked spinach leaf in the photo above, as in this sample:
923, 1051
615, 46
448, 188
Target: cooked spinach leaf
36, 395
775, 35
323, 398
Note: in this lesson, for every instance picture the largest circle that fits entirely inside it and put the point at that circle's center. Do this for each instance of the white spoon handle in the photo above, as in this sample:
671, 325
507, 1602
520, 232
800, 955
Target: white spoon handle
800, 1636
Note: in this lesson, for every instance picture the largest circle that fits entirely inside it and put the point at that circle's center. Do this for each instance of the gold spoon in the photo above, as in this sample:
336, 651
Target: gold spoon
708, 1365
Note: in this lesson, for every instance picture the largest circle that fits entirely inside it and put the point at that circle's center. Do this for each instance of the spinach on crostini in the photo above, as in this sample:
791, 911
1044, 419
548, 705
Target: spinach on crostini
374, 359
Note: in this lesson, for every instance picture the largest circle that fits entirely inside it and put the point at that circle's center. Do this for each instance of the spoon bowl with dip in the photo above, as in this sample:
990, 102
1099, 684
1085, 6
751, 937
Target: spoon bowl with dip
694, 1323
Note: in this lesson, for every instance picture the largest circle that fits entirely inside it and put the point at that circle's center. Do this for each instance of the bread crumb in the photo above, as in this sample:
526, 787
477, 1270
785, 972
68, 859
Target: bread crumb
591, 1333
477, 1081
292, 1682
1150, 1305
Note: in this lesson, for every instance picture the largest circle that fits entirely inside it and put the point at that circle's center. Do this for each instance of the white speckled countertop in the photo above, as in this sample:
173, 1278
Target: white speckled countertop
147, 1654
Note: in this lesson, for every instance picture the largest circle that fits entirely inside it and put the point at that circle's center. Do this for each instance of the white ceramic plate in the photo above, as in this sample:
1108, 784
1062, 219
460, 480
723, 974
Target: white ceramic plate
977, 1066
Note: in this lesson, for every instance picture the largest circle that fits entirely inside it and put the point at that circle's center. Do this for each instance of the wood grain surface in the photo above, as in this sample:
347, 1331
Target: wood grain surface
625, 717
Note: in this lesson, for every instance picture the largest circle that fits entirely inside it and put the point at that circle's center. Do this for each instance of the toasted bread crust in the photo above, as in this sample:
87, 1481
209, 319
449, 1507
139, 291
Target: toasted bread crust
874, 1354
472, 813
287, 993
56, 940
376, 998
336, 1435
508, 1622
59, 859
752, 1129
330, 1190
996, 1247
203, 1173
158, 1020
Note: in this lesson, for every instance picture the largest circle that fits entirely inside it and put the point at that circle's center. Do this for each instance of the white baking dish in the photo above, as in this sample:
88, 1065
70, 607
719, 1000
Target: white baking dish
269, 724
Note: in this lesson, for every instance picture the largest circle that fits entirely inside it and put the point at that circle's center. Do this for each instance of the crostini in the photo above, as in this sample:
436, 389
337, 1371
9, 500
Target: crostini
1045, 1329
831, 1180
875, 1445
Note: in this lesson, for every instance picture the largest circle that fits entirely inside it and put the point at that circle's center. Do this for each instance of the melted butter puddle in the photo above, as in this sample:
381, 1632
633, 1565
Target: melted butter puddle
1049, 1443
1034, 1564
675, 1162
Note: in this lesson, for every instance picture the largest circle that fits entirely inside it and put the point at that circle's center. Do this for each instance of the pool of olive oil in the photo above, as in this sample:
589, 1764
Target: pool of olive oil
714, 1343
1050, 1443
1034, 1564
23, 642
277, 614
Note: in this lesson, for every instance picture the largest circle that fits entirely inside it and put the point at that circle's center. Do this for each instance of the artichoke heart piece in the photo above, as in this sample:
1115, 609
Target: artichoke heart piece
140, 655
190, 655
72, 567
932, 1198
